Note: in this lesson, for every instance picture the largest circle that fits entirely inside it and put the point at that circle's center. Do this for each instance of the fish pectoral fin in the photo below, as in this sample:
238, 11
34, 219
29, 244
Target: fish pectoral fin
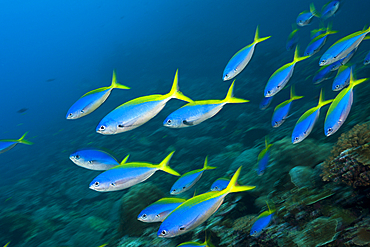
190, 123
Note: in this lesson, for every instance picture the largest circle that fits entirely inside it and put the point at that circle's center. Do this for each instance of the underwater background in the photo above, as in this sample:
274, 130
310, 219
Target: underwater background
53, 52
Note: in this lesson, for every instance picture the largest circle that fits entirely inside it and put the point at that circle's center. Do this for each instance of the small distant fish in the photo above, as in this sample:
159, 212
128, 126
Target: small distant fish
94, 159
197, 210
308, 120
305, 17
282, 110
329, 9
22, 110
187, 180
90, 101
238, 62
315, 45
137, 112
340, 107
220, 184
343, 47
322, 74
196, 112
7, 144
159, 210
317, 32
265, 103
263, 220
367, 59
280, 77
129, 174
50, 80
263, 158
342, 78
292, 39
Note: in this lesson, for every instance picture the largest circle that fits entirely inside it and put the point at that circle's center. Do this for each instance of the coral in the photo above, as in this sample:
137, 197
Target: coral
350, 160
317, 233
301, 176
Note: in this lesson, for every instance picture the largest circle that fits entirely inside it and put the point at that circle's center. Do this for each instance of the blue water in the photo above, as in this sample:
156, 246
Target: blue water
52, 52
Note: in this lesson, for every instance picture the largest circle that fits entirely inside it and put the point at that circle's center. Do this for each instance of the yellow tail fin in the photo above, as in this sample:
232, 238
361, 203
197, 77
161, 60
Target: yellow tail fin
353, 82
257, 39
165, 167
230, 96
115, 84
233, 187
292, 94
23, 141
322, 102
297, 58
206, 167
175, 91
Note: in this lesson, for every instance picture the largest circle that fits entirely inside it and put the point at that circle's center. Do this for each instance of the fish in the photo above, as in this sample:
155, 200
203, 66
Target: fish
282, 110
240, 60
94, 159
159, 210
187, 180
317, 32
280, 77
7, 144
307, 121
197, 210
305, 17
315, 45
263, 158
336, 65
292, 39
265, 103
343, 47
341, 80
198, 111
220, 184
137, 112
340, 107
329, 9
367, 59
90, 101
22, 110
129, 174
263, 220
322, 74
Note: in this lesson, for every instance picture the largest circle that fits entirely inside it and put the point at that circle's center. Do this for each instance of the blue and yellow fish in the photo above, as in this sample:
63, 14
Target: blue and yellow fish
282, 110
238, 62
197, 209
340, 107
198, 111
342, 78
7, 144
159, 210
315, 45
329, 9
129, 174
263, 158
305, 17
90, 101
263, 220
322, 74
136, 112
93, 159
220, 184
280, 77
343, 47
292, 39
305, 123
187, 180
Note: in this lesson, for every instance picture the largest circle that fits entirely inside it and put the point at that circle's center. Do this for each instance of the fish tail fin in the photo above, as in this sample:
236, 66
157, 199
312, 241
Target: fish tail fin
323, 102
267, 142
207, 242
175, 91
353, 82
297, 58
257, 39
293, 96
23, 141
115, 84
230, 96
270, 211
124, 160
165, 167
206, 167
329, 29
234, 187
313, 11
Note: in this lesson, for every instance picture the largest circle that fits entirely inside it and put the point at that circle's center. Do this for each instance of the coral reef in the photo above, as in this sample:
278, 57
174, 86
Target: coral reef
350, 159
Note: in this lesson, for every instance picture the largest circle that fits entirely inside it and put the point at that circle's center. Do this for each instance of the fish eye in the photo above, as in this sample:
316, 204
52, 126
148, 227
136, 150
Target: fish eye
278, 87
337, 86
268, 92
113, 184
70, 114
158, 215
143, 216
296, 139
96, 184
169, 121
77, 157
227, 75
82, 111
164, 232
174, 189
183, 187
216, 188
255, 232
330, 130
182, 228
102, 127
